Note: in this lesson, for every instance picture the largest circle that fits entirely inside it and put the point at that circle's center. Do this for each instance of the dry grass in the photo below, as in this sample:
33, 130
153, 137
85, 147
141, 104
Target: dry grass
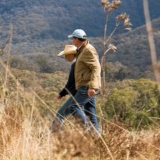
26, 136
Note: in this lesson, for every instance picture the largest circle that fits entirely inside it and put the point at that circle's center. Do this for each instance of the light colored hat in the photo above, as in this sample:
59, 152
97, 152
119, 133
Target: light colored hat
69, 49
79, 33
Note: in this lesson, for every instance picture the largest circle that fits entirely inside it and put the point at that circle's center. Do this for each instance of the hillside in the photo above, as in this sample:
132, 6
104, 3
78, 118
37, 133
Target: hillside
132, 47
128, 114
132, 58
37, 23
32, 51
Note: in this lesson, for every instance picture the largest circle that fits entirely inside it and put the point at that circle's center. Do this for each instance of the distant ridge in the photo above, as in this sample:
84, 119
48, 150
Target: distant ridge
39, 20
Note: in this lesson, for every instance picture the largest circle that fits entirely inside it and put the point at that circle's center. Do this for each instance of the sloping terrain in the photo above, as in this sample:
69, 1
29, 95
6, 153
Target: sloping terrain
40, 22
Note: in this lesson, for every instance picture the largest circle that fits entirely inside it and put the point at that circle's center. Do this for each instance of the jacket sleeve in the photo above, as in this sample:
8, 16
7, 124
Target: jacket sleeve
63, 92
91, 59
70, 85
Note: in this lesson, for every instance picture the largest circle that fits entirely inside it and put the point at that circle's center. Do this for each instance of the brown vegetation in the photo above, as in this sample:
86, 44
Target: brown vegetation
26, 116
25, 135
27, 107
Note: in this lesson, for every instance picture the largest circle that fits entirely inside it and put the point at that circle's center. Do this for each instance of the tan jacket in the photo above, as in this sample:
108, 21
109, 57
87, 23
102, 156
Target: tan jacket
87, 68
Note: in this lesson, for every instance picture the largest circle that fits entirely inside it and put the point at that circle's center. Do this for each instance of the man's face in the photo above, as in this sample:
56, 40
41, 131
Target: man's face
74, 41
70, 57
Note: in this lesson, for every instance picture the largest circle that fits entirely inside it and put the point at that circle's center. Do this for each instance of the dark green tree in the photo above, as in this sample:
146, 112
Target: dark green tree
136, 106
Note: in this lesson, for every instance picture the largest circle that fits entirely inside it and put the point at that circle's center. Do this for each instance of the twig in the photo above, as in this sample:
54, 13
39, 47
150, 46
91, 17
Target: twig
151, 42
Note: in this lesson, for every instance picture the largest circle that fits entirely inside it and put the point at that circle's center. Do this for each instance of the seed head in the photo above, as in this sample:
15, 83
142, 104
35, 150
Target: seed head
105, 3
112, 48
127, 22
124, 17
114, 5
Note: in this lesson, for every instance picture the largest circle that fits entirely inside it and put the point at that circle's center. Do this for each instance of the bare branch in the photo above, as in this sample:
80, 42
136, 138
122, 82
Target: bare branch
151, 42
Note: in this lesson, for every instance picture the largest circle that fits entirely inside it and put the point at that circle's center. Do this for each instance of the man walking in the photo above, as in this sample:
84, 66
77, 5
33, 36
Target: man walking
87, 75
70, 54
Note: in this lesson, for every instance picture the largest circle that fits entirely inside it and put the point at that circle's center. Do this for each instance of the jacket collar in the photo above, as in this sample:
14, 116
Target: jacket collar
81, 47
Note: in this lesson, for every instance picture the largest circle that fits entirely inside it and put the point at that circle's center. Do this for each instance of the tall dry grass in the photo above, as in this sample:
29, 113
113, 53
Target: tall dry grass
25, 134
149, 29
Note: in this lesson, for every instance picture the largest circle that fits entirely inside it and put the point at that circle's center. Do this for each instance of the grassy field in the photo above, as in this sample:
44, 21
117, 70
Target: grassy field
25, 135
25, 118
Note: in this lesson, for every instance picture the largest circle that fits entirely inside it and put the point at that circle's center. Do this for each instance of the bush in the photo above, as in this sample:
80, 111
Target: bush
137, 106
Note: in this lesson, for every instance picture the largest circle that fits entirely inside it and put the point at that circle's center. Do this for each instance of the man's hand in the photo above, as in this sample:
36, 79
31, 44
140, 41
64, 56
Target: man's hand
58, 97
91, 92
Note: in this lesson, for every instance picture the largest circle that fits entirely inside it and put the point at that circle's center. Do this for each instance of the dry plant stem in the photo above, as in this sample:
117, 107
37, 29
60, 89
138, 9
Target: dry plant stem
9, 50
105, 40
105, 32
142, 156
102, 115
10, 74
103, 57
151, 42
112, 33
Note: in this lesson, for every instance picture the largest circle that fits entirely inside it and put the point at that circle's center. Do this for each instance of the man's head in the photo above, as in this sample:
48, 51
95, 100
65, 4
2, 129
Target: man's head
78, 33
69, 52
78, 37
